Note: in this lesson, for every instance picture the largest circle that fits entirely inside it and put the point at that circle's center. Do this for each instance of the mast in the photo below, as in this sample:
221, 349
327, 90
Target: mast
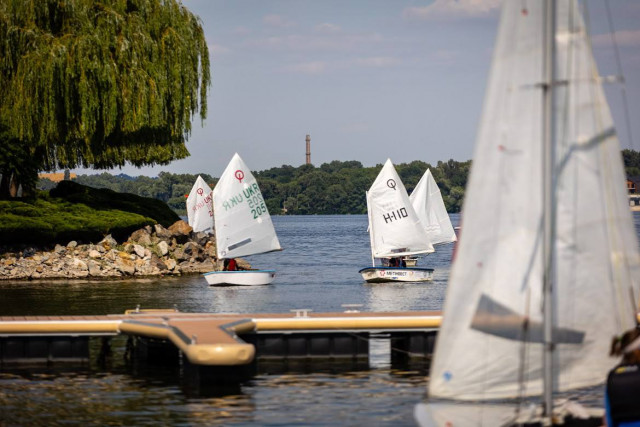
549, 208
373, 259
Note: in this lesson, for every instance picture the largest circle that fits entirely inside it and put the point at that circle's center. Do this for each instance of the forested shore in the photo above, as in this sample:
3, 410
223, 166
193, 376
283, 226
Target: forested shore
337, 187
333, 188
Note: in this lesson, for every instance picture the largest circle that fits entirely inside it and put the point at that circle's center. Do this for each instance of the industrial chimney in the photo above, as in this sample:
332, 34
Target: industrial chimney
308, 150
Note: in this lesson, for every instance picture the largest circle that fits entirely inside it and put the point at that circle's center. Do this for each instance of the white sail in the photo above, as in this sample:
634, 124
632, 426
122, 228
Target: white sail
242, 222
394, 227
483, 350
428, 204
200, 206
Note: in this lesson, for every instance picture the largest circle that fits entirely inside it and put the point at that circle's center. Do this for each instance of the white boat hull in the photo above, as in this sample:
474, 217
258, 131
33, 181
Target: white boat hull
240, 277
396, 274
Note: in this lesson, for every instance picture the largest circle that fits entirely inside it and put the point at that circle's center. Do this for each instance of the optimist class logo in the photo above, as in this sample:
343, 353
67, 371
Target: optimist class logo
391, 183
200, 191
239, 175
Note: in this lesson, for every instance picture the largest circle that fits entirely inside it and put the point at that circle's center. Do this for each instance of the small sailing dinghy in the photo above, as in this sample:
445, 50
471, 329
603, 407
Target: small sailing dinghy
548, 270
242, 225
395, 231
200, 207
427, 201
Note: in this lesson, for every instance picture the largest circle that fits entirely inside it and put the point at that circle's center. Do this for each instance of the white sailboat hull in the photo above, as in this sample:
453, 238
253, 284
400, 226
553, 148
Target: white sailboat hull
396, 274
240, 277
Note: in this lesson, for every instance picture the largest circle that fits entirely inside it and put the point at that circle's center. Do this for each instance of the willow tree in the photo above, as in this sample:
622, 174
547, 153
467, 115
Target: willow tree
97, 84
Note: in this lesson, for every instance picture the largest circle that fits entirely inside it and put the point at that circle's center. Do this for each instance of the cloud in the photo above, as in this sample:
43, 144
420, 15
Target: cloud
328, 28
216, 49
325, 42
623, 38
321, 67
377, 61
241, 31
451, 10
277, 21
314, 67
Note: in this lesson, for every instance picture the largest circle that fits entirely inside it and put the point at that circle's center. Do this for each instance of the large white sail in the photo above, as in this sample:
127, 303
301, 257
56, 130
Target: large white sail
242, 222
200, 206
394, 227
428, 204
489, 342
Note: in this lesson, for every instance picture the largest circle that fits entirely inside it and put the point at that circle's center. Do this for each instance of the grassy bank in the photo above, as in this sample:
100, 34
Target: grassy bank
75, 212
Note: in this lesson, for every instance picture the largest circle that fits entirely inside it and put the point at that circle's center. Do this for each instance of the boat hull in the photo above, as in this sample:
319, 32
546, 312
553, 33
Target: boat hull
240, 277
396, 274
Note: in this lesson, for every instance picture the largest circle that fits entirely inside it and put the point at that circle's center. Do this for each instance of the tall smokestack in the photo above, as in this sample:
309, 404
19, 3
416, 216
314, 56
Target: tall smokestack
308, 150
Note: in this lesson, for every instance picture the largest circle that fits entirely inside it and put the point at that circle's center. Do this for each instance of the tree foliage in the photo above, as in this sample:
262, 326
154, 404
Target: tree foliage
333, 188
98, 84
631, 159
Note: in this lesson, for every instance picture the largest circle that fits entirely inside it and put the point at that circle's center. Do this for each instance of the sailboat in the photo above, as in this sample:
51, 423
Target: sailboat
200, 207
242, 225
427, 201
547, 271
394, 230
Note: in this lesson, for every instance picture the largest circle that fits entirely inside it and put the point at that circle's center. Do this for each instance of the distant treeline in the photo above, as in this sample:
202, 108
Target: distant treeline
333, 188
631, 160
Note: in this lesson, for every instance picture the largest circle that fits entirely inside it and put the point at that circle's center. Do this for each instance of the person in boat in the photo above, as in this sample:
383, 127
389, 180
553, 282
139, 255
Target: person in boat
230, 264
397, 262
623, 382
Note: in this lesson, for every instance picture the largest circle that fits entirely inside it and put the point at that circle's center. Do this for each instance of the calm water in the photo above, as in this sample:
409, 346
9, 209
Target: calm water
317, 270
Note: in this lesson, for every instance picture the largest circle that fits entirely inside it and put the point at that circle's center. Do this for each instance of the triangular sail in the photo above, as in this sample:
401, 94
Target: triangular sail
428, 204
242, 222
394, 227
489, 343
200, 206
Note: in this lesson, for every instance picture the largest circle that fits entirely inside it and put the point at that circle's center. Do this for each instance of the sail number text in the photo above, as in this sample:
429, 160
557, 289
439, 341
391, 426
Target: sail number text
253, 197
395, 215
256, 204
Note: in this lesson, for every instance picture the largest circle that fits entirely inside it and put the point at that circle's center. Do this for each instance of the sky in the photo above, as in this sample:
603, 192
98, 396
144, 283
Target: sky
366, 79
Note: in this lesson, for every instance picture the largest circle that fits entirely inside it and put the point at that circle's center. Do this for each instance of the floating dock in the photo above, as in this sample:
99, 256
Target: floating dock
224, 347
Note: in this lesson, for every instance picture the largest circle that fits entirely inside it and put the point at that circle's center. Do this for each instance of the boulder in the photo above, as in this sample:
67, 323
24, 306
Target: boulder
162, 232
180, 255
201, 238
94, 253
163, 248
181, 231
126, 266
28, 252
79, 265
142, 237
171, 264
156, 262
140, 250
108, 242
192, 249
94, 268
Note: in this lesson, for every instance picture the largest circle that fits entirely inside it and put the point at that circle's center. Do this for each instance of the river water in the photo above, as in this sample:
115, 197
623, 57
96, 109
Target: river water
317, 270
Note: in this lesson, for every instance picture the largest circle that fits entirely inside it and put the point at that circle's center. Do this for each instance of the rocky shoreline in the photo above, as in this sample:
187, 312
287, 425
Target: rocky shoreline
149, 251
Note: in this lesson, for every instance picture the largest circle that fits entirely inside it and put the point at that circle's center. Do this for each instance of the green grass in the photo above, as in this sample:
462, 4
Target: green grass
75, 212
